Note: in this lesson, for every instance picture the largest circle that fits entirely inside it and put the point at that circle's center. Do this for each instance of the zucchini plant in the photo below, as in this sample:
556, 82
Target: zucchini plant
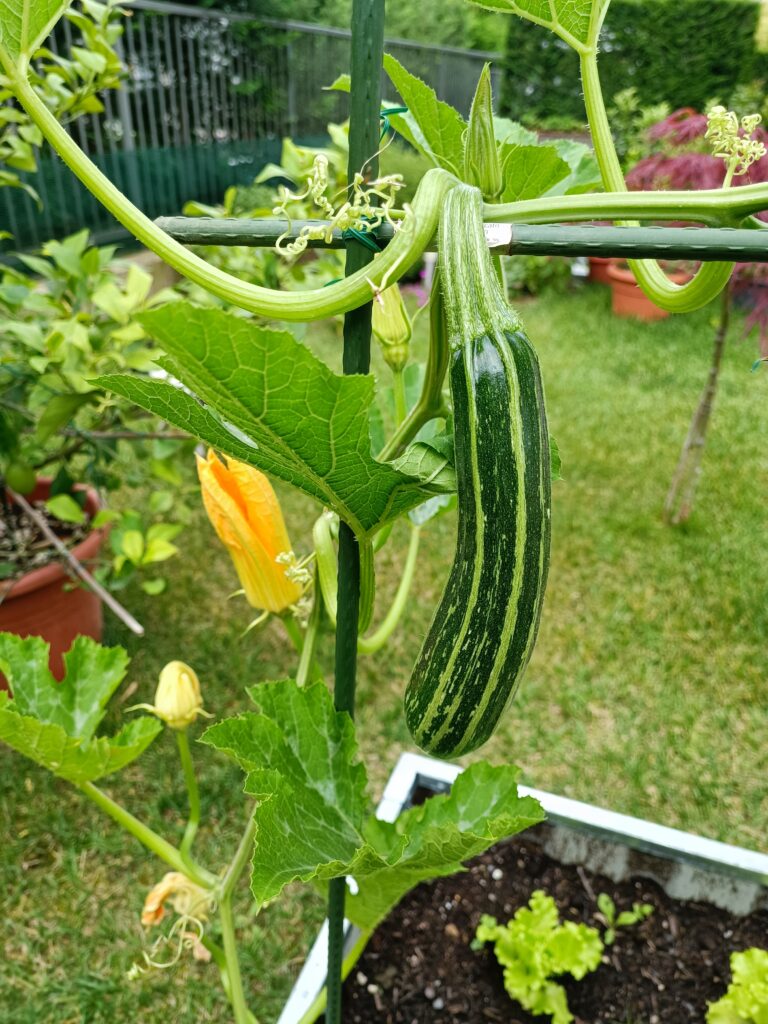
260, 399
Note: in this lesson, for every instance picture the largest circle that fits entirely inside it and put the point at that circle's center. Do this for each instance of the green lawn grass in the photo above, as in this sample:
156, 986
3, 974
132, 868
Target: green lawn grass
646, 693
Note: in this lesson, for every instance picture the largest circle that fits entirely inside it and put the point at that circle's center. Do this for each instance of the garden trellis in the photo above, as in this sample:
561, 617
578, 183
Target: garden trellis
366, 276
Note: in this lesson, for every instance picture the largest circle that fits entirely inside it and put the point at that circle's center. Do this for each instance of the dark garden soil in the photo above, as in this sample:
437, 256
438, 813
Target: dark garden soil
418, 967
24, 548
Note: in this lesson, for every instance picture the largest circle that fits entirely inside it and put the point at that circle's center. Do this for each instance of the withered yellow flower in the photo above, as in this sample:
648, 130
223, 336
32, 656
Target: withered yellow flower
186, 898
246, 515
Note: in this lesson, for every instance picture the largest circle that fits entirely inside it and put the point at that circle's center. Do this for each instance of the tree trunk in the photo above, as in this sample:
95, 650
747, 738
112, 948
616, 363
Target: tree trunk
682, 491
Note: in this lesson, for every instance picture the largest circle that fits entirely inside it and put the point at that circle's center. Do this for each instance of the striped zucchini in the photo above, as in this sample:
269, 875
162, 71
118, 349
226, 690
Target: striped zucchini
485, 626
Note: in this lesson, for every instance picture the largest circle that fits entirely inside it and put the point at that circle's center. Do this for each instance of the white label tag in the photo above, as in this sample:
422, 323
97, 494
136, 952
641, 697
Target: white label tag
498, 234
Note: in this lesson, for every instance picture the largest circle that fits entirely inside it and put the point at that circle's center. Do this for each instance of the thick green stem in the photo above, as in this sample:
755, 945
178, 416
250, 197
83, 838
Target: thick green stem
236, 993
145, 835
193, 795
218, 957
227, 922
239, 861
374, 642
716, 207
401, 404
710, 279
354, 290
381, 538
293, 631
419, 415
430, 404
306, 660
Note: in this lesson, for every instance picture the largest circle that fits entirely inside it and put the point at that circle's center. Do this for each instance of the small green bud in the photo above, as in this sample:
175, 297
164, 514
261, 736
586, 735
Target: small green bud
482, 166
391, 326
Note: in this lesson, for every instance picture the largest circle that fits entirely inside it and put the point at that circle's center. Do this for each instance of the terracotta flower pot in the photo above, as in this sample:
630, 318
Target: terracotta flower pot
47, 602
598, 269
628, 299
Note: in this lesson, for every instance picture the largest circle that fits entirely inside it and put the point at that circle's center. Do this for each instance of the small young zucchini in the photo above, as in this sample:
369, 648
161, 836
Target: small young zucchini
485, 626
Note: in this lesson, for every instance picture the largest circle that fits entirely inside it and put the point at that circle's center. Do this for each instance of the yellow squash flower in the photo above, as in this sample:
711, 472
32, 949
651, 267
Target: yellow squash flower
246, 515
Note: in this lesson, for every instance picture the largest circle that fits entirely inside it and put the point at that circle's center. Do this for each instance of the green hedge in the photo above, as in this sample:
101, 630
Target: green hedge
683, 51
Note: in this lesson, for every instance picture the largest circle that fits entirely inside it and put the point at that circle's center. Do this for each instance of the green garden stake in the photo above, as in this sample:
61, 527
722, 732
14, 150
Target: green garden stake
367, 51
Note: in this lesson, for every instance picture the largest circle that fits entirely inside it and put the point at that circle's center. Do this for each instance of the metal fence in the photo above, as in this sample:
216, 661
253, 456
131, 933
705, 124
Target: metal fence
208, 97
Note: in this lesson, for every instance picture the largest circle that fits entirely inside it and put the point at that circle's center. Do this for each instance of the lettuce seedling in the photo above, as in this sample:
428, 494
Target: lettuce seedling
746, 1001
534, 947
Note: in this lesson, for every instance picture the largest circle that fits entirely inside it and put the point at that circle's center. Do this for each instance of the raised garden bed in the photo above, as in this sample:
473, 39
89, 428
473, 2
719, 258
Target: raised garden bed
709, 900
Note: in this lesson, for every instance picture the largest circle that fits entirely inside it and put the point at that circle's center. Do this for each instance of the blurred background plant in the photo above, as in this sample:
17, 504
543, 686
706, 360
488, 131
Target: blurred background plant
66, 317
630, 122
67, 84
532, 275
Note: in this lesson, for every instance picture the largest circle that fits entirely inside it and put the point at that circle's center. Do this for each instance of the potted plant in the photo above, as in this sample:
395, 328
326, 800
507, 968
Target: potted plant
266, 404
628, 298
598, 269
66, 315
42, 597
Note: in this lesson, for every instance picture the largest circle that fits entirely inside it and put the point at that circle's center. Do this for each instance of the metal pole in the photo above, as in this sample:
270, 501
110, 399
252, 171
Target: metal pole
743, 245
365, 103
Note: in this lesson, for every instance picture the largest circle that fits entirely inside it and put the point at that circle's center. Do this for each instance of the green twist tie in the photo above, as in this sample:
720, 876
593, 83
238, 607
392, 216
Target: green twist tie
384, 117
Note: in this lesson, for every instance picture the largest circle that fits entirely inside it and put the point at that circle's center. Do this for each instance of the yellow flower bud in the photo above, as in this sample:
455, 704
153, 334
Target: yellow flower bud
177, 698
246, 515
391, 326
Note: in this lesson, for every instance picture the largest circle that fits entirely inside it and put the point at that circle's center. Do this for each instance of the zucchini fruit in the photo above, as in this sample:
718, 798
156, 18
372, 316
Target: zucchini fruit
485, 626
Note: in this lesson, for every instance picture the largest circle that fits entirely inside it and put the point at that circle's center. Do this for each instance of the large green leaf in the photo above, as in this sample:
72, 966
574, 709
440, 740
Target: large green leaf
482, 808
260, 396
313, 817
584, 173
24, 24
54, 723
578, 22
530, 171
433, 127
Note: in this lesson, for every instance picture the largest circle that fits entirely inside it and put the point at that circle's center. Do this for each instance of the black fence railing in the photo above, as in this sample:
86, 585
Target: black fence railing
207, 100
